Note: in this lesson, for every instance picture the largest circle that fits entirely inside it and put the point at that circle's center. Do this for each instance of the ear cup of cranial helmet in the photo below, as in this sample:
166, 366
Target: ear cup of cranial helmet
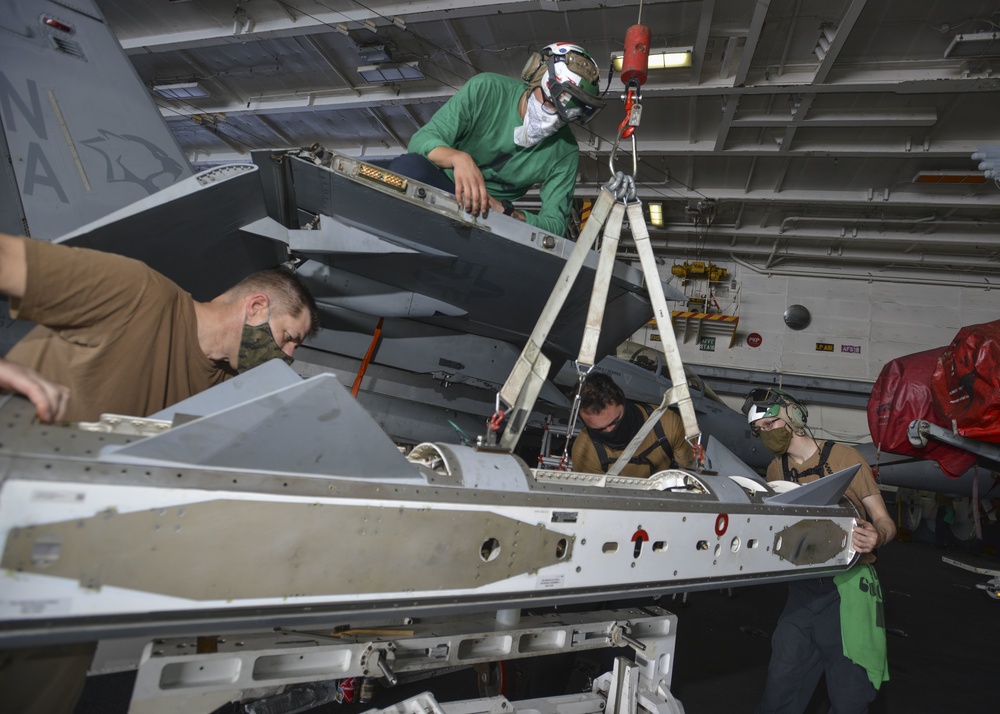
796, 415
534, 68
796, 412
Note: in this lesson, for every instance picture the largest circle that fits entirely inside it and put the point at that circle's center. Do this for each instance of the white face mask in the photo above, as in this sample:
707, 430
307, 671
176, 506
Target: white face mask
537, 125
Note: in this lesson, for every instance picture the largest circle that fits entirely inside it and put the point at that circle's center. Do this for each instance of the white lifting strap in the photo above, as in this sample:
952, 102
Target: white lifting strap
602, 282
679, 393
521, 389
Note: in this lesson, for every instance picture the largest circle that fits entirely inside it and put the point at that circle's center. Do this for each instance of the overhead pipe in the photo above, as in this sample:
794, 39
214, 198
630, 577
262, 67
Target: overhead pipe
731, 230
814, 252
884, 262
925, 221
867, 277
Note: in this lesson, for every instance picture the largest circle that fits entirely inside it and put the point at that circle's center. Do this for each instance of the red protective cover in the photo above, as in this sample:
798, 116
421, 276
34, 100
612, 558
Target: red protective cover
901, 394
966, 382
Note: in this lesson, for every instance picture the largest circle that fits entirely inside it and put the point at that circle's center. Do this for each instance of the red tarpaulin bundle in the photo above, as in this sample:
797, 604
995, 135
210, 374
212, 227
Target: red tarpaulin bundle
966, 382
901, 394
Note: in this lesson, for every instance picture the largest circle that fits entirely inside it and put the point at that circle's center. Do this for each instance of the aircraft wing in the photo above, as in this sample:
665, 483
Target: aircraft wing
409, 244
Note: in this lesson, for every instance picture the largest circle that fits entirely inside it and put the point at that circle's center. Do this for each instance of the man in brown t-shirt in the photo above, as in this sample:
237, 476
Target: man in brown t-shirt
807, 641
126, 340
612, 421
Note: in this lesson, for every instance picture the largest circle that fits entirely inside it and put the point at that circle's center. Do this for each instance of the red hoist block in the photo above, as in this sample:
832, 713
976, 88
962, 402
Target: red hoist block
635, 60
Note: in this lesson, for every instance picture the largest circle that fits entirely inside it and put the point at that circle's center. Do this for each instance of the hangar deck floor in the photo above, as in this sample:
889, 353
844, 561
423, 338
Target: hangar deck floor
943, 634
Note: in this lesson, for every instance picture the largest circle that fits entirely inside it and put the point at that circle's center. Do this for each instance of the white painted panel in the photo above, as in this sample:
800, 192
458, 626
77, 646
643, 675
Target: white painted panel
883, 320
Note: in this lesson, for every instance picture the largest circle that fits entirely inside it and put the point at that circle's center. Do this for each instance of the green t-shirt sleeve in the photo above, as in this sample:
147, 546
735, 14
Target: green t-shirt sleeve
449, 123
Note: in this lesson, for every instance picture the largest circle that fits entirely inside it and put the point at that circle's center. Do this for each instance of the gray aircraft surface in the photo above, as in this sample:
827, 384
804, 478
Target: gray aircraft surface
273, 501
192, 523
451, 297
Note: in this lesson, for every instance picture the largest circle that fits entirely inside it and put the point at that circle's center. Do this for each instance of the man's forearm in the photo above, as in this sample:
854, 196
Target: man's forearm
444, 157
13, 266
886, 530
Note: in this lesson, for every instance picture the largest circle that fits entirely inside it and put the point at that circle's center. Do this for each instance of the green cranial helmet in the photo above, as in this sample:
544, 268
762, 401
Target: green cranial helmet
768, 403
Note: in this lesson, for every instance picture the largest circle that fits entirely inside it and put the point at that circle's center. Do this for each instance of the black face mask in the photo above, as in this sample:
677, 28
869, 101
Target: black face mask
626, 428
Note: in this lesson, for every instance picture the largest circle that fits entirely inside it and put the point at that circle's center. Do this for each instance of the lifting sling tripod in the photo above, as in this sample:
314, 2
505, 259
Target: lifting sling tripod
520, 391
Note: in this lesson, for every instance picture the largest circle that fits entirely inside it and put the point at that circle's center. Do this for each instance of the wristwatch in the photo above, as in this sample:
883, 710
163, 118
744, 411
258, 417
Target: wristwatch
508, 208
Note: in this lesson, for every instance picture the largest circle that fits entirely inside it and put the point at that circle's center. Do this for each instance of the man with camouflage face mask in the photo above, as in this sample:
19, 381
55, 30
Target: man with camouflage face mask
830, 626
126, 340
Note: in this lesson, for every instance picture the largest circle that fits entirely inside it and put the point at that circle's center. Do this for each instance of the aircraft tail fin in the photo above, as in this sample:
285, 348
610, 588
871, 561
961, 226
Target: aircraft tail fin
826, 491
82, 136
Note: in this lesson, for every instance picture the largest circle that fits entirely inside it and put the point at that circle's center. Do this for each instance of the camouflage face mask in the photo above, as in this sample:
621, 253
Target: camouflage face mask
777, 440
257, 346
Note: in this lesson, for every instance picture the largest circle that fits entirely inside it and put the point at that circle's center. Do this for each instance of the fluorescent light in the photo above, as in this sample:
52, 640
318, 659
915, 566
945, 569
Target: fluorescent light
180, 90
963, 177
390, 72
661, 58
656, 214
373, 54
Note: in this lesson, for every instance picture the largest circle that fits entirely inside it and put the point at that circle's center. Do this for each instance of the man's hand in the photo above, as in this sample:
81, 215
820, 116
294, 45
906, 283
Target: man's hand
865, 537
470, 186
50, 399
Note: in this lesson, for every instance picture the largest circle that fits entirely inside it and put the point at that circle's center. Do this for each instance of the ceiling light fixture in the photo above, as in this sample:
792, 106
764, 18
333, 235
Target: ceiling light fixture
374, 54
656, 214
370, 25
661, 58
181, 90
390, 72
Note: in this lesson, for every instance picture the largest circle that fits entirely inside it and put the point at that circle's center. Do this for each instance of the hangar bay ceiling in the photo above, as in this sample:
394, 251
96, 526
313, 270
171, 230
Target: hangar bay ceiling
828, 137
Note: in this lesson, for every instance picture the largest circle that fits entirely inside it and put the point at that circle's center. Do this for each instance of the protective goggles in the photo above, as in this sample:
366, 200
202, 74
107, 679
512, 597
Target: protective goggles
570, 101
765, 403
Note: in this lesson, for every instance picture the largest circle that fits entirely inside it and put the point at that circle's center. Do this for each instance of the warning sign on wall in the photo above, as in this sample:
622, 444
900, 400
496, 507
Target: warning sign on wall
707, 344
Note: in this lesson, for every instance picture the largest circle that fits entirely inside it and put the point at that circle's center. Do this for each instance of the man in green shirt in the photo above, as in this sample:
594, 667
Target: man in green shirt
499, 136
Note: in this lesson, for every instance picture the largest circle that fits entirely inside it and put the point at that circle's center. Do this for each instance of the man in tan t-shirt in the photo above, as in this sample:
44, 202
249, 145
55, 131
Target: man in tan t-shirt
612, 421
808, 641
126, 340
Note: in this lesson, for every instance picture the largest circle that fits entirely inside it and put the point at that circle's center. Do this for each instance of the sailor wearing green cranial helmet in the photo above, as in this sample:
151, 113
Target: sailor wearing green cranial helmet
829, 626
